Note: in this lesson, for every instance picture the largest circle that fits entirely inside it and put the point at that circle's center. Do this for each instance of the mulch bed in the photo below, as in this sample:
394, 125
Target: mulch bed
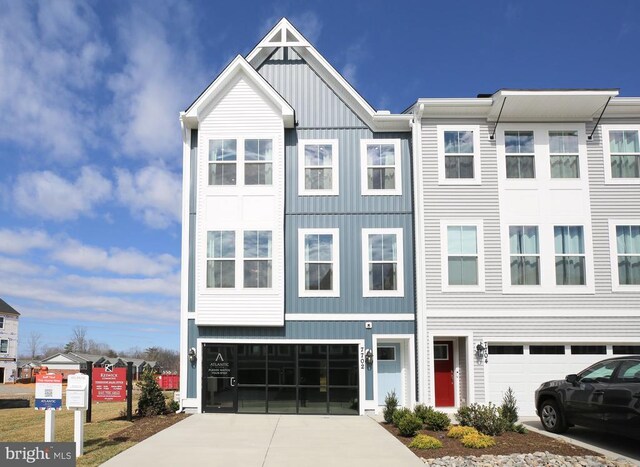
144, 427
507, 443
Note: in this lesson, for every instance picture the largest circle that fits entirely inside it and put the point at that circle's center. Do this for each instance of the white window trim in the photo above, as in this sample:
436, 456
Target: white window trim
444, 248
7, 341
365, 191
241, 164
613, 256
606, 151
446, 346
477, 175
335, 292
335, 174
399, 292
392, 347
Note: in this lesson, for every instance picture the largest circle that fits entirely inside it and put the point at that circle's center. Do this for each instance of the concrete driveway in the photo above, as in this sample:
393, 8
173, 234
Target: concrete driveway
271, 441
612, 446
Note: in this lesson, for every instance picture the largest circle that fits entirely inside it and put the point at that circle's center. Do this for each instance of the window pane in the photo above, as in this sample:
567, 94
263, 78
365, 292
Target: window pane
381, 179
258, 150
621, 141
281, 400
221, 244
312, 362
466, 166
222, 150
257, 244
570, 270
527, 166
469, 241
387, 154
282, 364
563, 142
318, 179
506, 350
258, 174
222, 174
625, 166
458, 142
221, 273
629, 270
373, 155
252, 399
375, 247
565, 167
546, 349
343, 365
343, 401
454, 240
523, 239
525, 270
257, 273
569, 240
382, 276
518, 142
313, 400
319, 276
389, 252
463, 270
252, 364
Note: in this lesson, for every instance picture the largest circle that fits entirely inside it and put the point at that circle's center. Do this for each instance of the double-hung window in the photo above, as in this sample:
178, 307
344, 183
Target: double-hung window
570, 255
381, 169
257, 259
319, 265
258, 162
624, 150
462, 255
563, 154
628, 249
382, 262
4, 345
222, 161
520, 154
318, 161
525, 255
1, 322
458, 154
221, 256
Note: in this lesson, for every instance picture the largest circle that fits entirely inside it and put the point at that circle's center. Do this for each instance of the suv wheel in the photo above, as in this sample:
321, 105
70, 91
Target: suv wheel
551, 417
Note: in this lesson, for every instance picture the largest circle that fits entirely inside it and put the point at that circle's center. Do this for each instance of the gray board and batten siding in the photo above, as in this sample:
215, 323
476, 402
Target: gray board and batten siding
297, 330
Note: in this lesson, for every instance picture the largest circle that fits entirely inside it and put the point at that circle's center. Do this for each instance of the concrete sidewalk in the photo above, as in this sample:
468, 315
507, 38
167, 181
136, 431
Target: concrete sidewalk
271, 441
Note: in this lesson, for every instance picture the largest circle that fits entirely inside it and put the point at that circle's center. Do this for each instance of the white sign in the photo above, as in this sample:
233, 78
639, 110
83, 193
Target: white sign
78, 391
48, 391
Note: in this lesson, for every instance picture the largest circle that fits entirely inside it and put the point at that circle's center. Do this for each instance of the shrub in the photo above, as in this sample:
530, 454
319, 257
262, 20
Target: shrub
390, 406
409, 424
425, 442
173, 406
437, 421
421, 411
400, 414
509, 408
151, 400
519, 428
484, 418
477, 441
458, 431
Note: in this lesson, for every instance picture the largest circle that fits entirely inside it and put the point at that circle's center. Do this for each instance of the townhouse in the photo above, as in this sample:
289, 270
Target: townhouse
333, 253
8, 343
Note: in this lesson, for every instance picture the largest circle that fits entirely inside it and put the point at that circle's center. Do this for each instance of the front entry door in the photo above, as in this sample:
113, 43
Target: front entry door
219, 373
444, 375
389, 372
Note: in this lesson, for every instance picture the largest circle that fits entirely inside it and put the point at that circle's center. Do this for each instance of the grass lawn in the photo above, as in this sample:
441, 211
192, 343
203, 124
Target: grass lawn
28, 425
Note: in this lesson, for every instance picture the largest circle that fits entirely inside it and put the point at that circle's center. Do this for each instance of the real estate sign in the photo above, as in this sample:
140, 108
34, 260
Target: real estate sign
48, 391
109, 384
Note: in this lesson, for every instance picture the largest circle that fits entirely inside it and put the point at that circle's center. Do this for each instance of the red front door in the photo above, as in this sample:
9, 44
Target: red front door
443, 364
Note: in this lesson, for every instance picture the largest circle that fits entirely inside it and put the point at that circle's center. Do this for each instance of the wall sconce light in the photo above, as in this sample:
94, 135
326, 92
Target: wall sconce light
482, 352
368, 357
192, 355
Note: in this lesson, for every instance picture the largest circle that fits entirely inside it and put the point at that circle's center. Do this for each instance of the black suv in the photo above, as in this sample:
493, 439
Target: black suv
605, 396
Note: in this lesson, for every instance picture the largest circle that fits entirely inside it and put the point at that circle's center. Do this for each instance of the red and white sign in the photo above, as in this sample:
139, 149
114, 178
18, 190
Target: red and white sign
109, 386
48, 391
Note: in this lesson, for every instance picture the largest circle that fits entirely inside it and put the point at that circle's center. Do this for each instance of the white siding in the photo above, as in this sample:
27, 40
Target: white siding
8, 360
241, 112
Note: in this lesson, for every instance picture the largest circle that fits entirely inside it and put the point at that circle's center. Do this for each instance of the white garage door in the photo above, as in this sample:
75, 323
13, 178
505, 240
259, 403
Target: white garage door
523, 368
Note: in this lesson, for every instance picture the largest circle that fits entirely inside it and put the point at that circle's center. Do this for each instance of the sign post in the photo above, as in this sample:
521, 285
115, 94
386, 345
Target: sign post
49, 399
90, 374
78, 400
129, 390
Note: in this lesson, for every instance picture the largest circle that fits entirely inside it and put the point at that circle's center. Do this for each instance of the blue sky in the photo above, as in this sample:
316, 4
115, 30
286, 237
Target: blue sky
90, 145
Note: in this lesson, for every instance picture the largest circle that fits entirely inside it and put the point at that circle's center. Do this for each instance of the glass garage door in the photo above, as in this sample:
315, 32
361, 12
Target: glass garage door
297, 378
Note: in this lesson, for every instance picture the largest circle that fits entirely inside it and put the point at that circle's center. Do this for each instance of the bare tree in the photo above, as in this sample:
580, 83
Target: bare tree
34, 343
79, 339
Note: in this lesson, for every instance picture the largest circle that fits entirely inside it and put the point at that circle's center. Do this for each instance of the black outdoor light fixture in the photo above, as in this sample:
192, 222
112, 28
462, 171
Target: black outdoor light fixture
482, 352
192, 355
368, 357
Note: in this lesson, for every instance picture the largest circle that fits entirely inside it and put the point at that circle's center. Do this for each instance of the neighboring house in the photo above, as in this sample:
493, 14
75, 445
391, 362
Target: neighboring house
529, 257
74, 362
8, 342
139, 365
297, 286
28, 369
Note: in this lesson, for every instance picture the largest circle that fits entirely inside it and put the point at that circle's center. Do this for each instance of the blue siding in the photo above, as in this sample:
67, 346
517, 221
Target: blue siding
351, 299
320, 330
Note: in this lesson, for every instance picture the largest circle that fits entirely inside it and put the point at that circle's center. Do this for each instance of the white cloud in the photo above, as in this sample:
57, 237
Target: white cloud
18, 267
309, 24
118, 261
168, 286
17, 242
153, 194
49, 52
159, 78
49, 196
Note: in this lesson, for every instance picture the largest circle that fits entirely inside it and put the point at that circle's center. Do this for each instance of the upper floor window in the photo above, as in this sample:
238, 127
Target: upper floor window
318, 160
458, 154
258, 165
221, 255
4, 345
382, 262
222, 162
570, 255
257, 259
381, 168
624, 150
462, 254
628, 249
1, 322
520, 154
319, 263
525, 255
563, 154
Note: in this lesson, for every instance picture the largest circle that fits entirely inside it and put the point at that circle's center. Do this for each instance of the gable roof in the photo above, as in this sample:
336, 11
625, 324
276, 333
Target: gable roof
284, 34
7, 309
238, 66
63, 358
